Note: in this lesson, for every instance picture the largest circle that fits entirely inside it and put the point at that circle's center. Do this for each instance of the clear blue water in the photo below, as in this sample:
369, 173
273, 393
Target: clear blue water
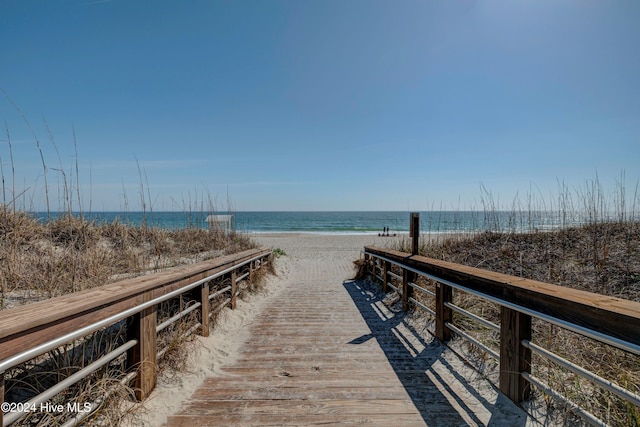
339, 222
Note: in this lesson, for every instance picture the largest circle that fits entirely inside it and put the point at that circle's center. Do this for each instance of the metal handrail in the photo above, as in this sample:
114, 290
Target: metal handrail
578, 370
422, 306
475, 317
586, 415
12, 417
469, 338
178, 316
93, 406
421, 289
220, 292
394, 275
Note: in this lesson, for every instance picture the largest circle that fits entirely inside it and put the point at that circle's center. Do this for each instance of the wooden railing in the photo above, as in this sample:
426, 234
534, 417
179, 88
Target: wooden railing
609, 320
28, 332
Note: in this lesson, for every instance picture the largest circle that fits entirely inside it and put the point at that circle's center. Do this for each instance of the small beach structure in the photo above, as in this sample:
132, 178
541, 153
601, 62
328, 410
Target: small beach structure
220, 222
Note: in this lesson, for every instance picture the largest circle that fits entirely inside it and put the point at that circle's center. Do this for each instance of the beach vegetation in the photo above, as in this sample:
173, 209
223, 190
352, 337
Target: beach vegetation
277, 252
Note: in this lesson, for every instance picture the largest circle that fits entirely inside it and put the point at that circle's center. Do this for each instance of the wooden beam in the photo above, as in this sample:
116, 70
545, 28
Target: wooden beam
443, 313
407, 291
514, 357
204, 309
415, 232
234, 289
142, 357
2, 397
385, 275
366, 266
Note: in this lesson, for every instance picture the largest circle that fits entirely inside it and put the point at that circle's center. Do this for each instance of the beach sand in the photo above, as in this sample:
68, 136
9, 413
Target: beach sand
307, 255
324, 247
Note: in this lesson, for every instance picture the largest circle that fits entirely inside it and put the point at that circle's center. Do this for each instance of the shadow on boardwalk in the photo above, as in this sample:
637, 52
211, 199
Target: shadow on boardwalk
445, 390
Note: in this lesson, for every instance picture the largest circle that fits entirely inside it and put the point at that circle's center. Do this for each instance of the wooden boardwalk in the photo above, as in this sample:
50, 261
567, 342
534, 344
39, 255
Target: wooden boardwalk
326, 351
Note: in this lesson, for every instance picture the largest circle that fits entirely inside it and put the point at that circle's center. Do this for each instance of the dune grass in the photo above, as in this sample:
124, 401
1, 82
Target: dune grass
68, 254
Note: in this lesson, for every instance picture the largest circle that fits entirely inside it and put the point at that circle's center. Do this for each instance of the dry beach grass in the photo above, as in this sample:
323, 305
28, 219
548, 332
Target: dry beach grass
68, 254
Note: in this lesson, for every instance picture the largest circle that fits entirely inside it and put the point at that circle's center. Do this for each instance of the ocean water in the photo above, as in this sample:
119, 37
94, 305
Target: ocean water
340, 222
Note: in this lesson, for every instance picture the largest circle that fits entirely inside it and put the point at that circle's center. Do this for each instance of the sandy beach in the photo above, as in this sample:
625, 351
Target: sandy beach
324, 247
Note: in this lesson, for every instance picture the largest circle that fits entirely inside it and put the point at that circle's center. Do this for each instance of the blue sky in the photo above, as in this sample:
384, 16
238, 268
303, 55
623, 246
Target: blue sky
317, 105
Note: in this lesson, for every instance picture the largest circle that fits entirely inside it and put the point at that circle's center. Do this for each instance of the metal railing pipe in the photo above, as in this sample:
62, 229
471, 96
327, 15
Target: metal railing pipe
578, 370
12, 417
394, 275
423, 290
96, 404
422, 306
178, 316
219, 307
471, 339
475, 317
220, 292
586, 415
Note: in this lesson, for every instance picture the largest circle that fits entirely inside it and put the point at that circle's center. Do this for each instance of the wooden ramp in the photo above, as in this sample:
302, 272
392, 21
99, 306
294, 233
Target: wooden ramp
326, 351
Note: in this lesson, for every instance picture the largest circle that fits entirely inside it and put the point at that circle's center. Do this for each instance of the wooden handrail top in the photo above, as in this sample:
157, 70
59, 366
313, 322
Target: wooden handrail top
613, 316
34, 323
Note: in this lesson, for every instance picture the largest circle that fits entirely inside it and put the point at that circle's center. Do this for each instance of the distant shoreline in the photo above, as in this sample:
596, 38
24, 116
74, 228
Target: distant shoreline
339, 223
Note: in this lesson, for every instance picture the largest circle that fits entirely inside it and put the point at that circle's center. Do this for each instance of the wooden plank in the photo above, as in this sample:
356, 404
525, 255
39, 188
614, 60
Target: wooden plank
612, 316
266, 420
224, 391
303, 407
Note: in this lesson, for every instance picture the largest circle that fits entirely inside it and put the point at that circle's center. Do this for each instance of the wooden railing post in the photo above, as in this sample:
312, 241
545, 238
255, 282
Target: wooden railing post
407, 291
234, 289
443, 313
142, 357
204, 309
414, 232
366, 265
514, 357
2, 397
385, 275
